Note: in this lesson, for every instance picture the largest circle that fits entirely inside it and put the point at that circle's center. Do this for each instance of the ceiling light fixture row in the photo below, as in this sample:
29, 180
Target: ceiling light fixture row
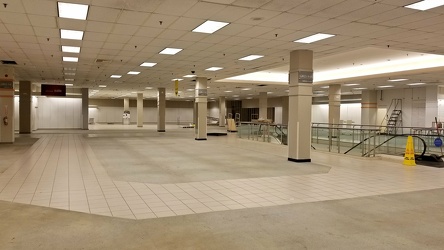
71, 11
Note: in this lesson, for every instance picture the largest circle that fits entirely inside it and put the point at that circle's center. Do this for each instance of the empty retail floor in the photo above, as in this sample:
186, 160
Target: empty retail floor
125, 187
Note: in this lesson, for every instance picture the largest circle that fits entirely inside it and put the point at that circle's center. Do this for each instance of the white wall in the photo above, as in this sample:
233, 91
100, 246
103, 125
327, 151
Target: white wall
34, 115
56, 112
349, 111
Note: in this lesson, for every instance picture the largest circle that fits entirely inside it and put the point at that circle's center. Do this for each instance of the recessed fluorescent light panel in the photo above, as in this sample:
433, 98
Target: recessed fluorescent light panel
71, 34
210, 27
70, 49
148, 64
397, 80
102, 86
314, 38
115, 76
359, 88
69, 80
425, 5
176, 79
214, 68
416, 83
133, 73
189, 76
251, 57
73, 11
70, 59
386, 86
69, 73
351, 84
69, 84
170, 51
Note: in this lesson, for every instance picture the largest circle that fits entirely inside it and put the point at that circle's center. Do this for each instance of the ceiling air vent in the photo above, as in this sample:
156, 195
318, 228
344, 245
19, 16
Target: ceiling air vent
98, 60
262, 85
8, 62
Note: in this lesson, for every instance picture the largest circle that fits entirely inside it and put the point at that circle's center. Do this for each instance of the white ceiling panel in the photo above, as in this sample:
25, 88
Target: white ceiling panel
386, 16
176, 8
282, 5
251, 3
282, 20
161, 21
71, 24
118, 38
186, 23
92, 44
14, 18
305, 22
47, 32
255, 31
148, 32
101, 27
123, 29
342, 8
231, 13
43, 21
257, 17
205, 10
20, 29
14, 6
311, 7
139, 40
6, 38
408, 19
95, 36
40, 7
327, 26
132, 17
234, 29
103, 14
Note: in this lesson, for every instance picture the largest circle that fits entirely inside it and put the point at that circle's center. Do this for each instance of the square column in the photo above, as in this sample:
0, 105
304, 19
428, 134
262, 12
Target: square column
300, 100
222, 111
126, 104
285, 110
201, 108
334, 103
161, 106
25, 96
7, 105
263, 105
369, 107
139, 109
85, 104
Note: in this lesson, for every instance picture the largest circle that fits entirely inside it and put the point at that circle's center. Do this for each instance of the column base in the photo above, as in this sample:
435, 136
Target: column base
299, 160
161, 130
200, 139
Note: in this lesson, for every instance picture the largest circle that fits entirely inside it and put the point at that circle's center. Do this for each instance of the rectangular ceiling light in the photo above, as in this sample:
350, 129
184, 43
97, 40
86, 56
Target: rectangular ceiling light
102, 86
210, 27
73, 11
70, 59
115, 76
416, 83
69, 73
214, 68
71, 34
189, 76
385, 86
133, 73
176, 79
397, 80
425, 5
170, 51
314, 38
148, 64
70, 49
69, 84
251, 57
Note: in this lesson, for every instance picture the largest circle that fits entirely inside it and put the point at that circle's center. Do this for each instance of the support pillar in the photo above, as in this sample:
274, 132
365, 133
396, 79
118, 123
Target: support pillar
161, 106
25, 100
201, 108
334, 103
7, 105
285, 110
126, 104
300, 95
139, 109
222, 111
85, 104
369, 107
263, 105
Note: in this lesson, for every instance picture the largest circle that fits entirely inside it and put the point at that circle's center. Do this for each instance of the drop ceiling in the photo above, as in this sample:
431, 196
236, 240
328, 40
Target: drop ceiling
121, 35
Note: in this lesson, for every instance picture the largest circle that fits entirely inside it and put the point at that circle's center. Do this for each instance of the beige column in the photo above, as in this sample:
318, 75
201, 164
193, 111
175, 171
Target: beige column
126, 104
334, 103
263, 105
300, 94
369, 107
139, 109
7, 105
285, 110
25, 96
161, 106
85, 111
201, 108
222, 111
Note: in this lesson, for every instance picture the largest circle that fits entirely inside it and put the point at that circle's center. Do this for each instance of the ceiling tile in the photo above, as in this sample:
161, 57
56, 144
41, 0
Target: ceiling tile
250, 3
160, 21
385, 16
123, 29
102, 27
14, 6
282, 20
14, 18
47, 32
103, 14
255, 31
172, 34
311, 7
95, 36
177, 8
92, 44
231, 13
19, 29
148, 32
185, 23
204, 10
305, 22
257, 17
41, 7
342, 8
71, 24
132, 17
234, 29
118, 38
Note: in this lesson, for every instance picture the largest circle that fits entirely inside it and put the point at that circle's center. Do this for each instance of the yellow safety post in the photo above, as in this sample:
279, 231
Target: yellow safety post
409, 156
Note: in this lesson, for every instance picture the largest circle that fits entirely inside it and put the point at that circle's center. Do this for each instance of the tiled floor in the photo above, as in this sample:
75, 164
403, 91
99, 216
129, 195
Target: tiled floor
61, 171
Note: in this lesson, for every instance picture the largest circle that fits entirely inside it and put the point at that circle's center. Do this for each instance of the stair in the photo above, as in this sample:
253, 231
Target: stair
393, 121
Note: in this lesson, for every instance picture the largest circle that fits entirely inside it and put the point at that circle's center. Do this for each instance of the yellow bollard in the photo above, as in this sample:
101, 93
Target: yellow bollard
409, 156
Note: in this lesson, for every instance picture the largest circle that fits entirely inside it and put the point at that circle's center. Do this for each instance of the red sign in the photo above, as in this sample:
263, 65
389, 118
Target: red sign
53, 90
